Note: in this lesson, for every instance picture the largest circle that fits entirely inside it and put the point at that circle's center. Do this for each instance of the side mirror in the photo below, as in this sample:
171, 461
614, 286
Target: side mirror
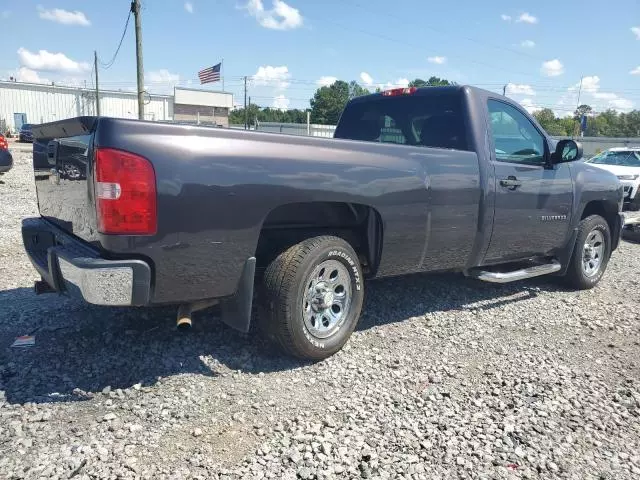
567, 151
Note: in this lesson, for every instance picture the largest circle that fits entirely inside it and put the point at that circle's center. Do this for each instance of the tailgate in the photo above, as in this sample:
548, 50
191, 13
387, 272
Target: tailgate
62, 156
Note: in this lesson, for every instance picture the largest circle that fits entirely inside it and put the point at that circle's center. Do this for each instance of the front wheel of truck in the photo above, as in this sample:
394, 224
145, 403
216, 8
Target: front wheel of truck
311, 297
591, 253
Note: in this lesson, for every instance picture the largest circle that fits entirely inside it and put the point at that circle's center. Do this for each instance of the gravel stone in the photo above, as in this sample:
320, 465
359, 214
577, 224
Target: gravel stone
445, 377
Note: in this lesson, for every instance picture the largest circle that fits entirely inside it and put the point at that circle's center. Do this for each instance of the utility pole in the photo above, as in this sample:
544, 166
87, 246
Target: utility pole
504, 91
578, 105
246, 112
95, 67
135, 9
248, 119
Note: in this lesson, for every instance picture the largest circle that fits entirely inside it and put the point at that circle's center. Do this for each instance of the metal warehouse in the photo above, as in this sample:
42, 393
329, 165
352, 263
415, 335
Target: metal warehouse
38, 103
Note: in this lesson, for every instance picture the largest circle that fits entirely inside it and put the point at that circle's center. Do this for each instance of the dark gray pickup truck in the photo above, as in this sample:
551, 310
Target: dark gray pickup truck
415, 180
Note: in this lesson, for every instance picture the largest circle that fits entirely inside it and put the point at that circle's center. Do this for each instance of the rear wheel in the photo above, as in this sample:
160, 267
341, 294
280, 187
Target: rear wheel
311, 297
591, 253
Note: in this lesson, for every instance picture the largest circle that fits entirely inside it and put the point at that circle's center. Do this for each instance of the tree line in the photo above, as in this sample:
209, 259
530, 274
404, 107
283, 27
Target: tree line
609, 123
328, 102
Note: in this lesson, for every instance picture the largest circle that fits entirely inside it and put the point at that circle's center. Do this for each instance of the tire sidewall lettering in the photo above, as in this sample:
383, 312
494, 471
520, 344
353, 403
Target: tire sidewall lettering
312, 340
352, 264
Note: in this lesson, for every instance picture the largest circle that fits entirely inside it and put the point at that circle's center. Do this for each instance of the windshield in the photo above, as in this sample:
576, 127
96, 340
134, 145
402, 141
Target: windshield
626, 158
434, 120
26, 126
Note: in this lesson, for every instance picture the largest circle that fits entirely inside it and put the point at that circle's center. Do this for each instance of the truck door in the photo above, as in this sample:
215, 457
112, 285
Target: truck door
532, 200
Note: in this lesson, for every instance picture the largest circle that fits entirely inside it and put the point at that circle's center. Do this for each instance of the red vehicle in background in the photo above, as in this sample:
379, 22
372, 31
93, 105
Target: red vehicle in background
6, 160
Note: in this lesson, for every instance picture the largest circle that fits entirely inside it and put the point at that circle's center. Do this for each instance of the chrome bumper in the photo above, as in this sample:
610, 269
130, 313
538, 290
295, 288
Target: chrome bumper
76, 269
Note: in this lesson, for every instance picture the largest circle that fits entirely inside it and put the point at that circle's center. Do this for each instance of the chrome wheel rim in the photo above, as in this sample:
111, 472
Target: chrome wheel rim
327, 299
593, 253
72, 171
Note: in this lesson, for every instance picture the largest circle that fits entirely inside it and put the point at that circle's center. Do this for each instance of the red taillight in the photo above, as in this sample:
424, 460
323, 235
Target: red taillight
125, 190
4, 145
399, 91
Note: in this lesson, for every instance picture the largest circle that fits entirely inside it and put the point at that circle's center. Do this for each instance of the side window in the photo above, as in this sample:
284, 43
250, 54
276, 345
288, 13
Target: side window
514, 136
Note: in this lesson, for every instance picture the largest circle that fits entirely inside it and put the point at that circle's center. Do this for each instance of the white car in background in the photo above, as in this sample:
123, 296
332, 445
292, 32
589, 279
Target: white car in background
624, 162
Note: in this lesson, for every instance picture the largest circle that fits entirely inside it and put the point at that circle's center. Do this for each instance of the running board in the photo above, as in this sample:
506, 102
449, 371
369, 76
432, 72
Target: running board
522, 274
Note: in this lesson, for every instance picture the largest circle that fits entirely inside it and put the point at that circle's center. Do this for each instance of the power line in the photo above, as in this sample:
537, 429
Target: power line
303, 85
110, 63
457, 35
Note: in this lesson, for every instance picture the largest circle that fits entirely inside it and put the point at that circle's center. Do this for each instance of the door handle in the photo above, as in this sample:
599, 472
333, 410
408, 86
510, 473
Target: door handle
510, 182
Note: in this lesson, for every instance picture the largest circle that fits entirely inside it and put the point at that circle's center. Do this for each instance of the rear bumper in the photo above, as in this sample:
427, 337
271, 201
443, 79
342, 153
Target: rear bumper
76, 269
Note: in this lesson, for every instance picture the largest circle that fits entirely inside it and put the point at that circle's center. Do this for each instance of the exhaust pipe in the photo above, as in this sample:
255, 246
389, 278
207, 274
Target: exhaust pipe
184, 317
185, 311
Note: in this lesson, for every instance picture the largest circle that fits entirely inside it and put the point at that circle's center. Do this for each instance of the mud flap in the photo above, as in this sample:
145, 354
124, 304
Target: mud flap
564, 257
236, 310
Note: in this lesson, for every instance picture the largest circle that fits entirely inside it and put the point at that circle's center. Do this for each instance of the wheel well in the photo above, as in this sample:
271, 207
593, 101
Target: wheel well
360, 225
606, 210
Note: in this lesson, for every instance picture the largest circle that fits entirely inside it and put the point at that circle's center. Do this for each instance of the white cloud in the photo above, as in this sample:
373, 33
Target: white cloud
527, 18
529, 106
590, 84
506, 18
281, 17
273, 76
366, 79
605, 96
188, 6
635, 71
64, 17
47, 61
552, 68
25, 74
326, 81
162, 76
622, 104
437, 60
398, 83
636, 32
598, 99
281, 102
519, 89
528, 44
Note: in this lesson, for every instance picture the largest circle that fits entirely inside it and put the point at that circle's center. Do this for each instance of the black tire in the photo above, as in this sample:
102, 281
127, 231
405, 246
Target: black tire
576, 276
285, 289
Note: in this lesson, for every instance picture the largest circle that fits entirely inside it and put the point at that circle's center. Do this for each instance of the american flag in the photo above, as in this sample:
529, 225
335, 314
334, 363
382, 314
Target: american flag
210, 74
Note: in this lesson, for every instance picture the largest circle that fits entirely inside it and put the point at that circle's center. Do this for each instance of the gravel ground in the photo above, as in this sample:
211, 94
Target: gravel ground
445, 378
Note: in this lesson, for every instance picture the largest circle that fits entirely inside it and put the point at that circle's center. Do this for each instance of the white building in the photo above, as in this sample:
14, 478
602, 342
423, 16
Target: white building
202, 106
38, 103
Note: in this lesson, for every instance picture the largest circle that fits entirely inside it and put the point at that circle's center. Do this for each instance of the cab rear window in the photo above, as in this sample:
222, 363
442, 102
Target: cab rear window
435, 121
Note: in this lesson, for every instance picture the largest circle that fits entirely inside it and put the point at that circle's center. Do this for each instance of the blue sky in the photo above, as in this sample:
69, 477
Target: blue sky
287, 48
